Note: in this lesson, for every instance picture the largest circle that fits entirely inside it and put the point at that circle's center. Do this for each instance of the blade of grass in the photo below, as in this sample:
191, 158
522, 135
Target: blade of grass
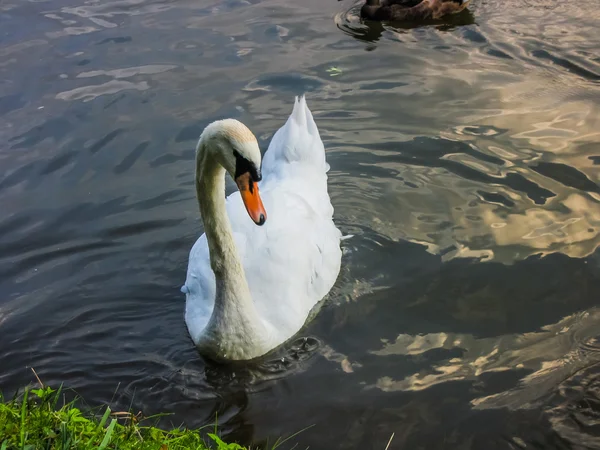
112, 399
100, 427
57, 396
23, 417
107, 436
104, 418
390, 441
37, 378
279, 443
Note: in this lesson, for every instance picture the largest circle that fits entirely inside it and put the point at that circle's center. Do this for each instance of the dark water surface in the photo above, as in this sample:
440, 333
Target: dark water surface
464, 157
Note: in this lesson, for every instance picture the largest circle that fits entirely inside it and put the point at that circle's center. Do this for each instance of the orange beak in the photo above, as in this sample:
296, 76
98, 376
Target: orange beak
251, 198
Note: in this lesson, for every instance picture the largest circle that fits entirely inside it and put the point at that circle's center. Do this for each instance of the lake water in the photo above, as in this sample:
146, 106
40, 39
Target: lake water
464, 159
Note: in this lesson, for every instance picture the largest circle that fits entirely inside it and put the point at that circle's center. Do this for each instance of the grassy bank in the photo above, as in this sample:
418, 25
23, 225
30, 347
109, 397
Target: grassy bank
39, 420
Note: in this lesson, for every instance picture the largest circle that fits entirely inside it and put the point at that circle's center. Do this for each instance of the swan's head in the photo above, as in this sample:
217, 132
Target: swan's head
234, 146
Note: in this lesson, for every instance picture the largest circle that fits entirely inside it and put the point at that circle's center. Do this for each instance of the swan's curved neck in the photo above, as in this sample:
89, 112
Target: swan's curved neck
210, 190
234, 312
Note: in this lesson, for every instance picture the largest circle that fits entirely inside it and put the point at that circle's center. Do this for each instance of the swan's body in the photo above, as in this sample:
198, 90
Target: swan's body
410, 10
268, 278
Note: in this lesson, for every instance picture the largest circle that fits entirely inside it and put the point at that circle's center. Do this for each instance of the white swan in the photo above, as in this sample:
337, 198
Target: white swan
250, 288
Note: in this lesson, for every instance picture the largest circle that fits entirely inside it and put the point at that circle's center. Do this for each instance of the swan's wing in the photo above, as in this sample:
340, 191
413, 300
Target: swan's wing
292, 261
199, 288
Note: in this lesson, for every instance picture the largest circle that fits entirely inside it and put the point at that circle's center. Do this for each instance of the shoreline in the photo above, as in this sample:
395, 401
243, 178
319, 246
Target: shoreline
41, 419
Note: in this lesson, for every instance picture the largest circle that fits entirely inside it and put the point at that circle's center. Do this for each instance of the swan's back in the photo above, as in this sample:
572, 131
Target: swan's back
293, 260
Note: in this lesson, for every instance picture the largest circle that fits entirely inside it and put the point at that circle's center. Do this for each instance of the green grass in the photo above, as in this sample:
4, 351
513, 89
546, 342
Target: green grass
39, 419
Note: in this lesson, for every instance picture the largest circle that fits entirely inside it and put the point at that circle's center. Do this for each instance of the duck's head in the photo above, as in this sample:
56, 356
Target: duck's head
231, 144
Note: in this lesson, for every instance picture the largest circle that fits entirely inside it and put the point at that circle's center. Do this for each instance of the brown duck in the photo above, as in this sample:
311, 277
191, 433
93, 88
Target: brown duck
407, 10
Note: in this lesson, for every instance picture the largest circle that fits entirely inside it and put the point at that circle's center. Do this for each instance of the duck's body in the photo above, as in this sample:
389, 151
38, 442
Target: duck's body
410, 10
268, 278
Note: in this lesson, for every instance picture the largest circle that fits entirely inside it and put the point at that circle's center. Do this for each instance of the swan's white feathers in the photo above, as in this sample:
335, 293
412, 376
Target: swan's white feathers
293, 260
298, 141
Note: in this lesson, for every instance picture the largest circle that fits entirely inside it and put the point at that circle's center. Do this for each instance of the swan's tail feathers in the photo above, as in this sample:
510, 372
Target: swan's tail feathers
298, 114
298, 141
303, 117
